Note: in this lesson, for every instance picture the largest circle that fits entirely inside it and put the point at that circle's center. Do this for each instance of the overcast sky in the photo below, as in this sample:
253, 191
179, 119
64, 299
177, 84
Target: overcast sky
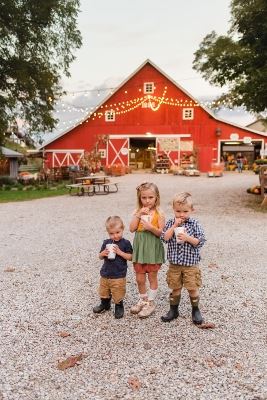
119, 35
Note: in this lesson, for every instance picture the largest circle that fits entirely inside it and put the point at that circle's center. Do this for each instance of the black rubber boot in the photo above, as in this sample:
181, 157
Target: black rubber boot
171, 314
119, 310
103, 306
196, 316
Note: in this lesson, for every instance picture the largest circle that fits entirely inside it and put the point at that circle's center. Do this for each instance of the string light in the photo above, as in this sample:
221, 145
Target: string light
147, 101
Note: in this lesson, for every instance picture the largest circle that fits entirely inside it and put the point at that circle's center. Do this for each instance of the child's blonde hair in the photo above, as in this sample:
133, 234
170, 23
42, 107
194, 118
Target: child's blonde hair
184, 198
147, 186
114, 221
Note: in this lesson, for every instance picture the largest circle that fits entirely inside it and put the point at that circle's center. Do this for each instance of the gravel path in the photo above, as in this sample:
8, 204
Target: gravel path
52, 246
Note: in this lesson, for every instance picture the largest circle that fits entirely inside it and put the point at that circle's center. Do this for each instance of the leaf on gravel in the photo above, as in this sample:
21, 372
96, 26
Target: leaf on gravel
225, 277
134, 383
10, 269
213, 265
206, 325
63, 334
69, 362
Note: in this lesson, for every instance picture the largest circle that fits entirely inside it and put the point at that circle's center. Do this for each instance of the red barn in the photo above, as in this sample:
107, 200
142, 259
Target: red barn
149, 114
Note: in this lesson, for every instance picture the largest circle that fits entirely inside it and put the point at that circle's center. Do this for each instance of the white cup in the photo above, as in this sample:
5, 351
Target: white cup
111, 252
177, 230
146, 218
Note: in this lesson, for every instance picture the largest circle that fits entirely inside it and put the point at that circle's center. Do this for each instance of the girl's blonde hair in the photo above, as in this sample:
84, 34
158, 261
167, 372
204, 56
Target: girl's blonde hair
147, 186
184, 198
114, 221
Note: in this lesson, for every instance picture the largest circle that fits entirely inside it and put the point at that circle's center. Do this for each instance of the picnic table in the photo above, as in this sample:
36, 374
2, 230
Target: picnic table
93, 184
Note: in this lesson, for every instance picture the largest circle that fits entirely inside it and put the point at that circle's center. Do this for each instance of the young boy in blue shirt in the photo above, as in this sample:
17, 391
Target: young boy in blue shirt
114, 269
183, 254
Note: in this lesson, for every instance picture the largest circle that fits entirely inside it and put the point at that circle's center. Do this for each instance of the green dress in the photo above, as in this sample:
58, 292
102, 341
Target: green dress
148, 248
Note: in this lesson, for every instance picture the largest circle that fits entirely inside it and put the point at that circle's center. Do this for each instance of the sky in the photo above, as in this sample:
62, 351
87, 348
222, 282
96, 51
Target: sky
119, 36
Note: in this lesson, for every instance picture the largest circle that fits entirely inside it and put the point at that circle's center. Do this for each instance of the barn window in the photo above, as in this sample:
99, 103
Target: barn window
188, 113
102, 153
110, 115
148, 87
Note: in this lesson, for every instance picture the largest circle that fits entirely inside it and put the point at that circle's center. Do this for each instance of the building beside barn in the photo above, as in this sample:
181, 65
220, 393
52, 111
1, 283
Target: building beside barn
150, 116
9, 165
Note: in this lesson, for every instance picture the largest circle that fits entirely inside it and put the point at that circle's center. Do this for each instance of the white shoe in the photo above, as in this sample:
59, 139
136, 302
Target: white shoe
138, 307
147, 310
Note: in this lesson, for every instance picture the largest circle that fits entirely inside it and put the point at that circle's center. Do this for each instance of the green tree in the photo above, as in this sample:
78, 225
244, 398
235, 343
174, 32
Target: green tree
238, 60
37, 41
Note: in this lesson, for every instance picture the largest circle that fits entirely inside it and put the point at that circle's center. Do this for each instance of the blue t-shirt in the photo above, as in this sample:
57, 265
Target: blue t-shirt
116, 268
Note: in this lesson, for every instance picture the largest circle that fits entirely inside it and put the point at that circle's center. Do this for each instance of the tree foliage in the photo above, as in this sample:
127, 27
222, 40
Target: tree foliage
239, 60
37, 41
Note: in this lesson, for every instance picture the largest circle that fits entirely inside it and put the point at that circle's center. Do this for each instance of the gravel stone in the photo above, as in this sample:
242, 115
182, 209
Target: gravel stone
49, 273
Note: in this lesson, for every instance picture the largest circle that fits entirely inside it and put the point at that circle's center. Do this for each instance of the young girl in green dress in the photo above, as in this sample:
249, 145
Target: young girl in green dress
148, 252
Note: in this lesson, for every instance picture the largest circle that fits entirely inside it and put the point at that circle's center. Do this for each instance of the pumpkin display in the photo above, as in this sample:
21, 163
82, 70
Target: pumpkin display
254, 190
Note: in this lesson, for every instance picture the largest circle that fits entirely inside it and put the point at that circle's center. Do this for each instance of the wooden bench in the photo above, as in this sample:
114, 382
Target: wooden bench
78, 188
106, 188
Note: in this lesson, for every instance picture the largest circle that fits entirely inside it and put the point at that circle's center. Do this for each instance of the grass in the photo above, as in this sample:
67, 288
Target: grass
21, 195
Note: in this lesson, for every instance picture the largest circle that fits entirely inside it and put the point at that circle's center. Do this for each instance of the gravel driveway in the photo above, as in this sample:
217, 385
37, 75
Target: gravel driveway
49, 273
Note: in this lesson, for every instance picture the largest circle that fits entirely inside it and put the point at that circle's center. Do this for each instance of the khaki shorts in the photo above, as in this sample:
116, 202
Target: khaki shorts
179, 276
112, 287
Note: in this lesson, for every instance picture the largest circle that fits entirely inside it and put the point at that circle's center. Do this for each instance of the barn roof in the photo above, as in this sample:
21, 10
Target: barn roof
171, 80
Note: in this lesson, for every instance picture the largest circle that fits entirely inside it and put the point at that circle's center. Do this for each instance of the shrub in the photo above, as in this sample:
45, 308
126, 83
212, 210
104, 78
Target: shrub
261, 161
7, 180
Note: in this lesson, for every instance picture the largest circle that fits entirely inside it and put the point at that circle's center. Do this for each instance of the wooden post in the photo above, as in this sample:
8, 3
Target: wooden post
263, 183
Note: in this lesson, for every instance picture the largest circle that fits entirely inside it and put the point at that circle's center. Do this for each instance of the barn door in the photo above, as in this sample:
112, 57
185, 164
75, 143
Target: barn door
170, 147
118, 151
66, 158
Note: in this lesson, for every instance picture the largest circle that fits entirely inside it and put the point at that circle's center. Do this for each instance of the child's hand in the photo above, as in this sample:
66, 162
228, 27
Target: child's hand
103, 253
117, 250
146, 225
183, 236
178, 222
144, 211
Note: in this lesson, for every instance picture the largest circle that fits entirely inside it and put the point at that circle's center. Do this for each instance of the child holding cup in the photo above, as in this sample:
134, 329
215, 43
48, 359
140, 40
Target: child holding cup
115, 252
184, 237
148, 252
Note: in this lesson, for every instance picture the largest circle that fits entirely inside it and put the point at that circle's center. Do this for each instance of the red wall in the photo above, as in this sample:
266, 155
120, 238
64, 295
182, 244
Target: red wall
166, 120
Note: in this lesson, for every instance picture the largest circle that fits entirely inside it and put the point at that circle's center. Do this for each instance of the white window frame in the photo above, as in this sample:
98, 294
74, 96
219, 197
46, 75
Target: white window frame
110, 116
102, 153
188, 113
149, 87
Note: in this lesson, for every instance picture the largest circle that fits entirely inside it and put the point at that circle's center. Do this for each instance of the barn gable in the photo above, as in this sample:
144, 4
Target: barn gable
149, 109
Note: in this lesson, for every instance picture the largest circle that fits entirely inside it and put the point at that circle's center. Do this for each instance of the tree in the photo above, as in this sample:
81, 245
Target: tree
37, 40
238, 60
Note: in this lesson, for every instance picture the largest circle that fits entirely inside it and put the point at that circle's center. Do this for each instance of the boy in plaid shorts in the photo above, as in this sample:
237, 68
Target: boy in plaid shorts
183, 254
